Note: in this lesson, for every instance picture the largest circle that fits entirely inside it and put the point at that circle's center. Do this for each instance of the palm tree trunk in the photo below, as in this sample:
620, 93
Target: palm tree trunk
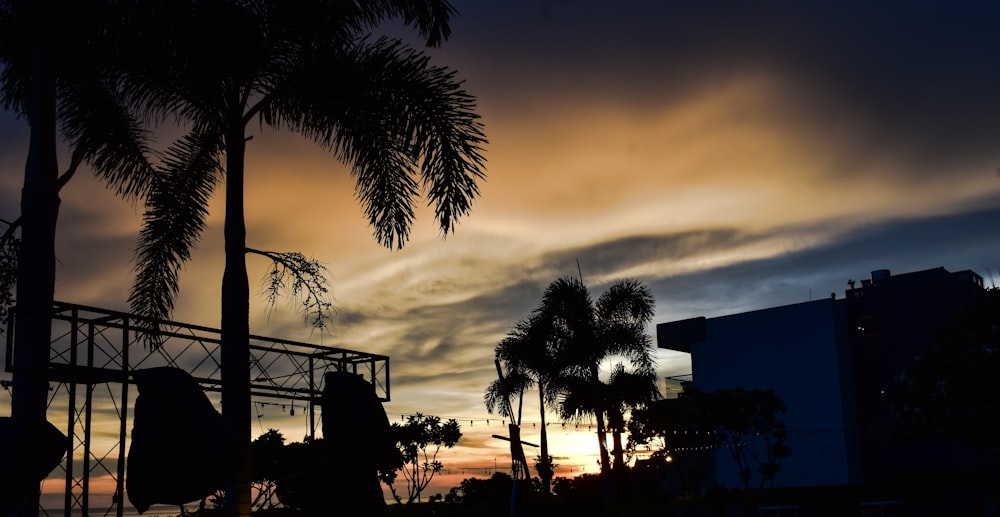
36, 263
545, 470
607, 486
236, 330
616, 422
618, 451
602, 432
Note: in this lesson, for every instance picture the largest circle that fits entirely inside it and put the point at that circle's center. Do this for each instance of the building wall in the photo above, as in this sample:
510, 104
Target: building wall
891, 320
833, 363
799, 352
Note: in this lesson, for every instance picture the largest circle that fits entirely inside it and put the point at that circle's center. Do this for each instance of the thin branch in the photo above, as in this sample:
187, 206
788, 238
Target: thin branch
12, 226
294, 276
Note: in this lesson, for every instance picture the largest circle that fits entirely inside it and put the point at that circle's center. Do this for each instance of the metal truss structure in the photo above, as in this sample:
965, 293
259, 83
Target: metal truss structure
93, 355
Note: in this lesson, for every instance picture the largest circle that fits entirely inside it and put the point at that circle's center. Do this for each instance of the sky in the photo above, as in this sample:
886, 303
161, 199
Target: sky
730, 155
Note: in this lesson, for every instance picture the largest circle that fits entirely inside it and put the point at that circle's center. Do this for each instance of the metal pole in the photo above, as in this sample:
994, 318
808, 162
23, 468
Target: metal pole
71, 420
312, 401
123, 424
87, 420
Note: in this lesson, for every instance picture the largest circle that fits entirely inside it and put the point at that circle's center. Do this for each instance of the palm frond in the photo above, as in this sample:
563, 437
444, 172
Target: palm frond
567, 308
170, 74
176, 208
392, 117
98, 124
633, 388
623, 312
15, 57
501, 394
578, 397
524, 346
429, 17
626, 301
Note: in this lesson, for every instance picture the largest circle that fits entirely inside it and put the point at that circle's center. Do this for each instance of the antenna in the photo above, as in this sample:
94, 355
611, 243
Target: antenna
578, 270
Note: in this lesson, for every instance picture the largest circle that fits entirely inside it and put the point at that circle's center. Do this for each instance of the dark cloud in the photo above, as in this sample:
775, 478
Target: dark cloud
878, 48
955, 242
433, 379
457, 337
618, 254
916, 80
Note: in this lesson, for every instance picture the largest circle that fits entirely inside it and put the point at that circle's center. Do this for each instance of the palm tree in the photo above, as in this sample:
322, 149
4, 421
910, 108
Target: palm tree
501, 395
586, 334
530, 360
627, 391
378, 105
624, 392
59, 72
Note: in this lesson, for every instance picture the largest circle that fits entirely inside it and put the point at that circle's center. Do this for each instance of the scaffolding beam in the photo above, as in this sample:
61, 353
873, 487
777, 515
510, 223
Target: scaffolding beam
95, 348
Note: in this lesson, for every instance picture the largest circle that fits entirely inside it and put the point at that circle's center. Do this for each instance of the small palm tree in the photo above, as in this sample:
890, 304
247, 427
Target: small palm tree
405, 127
586, 334
527, 354
624, 392
501, 396
627, 391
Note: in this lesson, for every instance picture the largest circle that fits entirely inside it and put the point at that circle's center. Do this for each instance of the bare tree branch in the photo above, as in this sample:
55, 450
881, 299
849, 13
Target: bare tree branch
294, 276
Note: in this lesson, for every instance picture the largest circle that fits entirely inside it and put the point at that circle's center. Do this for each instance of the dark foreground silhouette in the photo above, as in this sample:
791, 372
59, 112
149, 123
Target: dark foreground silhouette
26, 457
179, 444
357, 437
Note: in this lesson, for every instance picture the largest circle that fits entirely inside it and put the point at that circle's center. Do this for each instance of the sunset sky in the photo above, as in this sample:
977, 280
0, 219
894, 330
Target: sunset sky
731, 155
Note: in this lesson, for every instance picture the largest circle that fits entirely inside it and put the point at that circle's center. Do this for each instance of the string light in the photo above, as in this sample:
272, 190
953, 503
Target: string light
473, 421
284, 407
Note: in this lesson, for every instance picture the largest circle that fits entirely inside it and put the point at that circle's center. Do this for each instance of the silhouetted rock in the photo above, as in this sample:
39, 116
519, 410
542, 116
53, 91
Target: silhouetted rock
357, 434
26, 457
178, 449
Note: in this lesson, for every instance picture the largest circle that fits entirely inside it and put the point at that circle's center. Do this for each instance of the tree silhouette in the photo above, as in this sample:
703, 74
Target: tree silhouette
530, 361
587, 333
570, 338
59, 70
9, 249
419, 441
669, 426
748, 424
949, 391
401, 124
624, 391
267, 452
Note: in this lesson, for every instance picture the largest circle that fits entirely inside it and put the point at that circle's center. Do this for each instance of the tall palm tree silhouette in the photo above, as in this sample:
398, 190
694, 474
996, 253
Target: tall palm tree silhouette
403, 125
59, 69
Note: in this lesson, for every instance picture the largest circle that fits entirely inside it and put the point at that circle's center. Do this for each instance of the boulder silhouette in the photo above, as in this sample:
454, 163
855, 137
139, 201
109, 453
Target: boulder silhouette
179, 446
356, 432
26, 457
